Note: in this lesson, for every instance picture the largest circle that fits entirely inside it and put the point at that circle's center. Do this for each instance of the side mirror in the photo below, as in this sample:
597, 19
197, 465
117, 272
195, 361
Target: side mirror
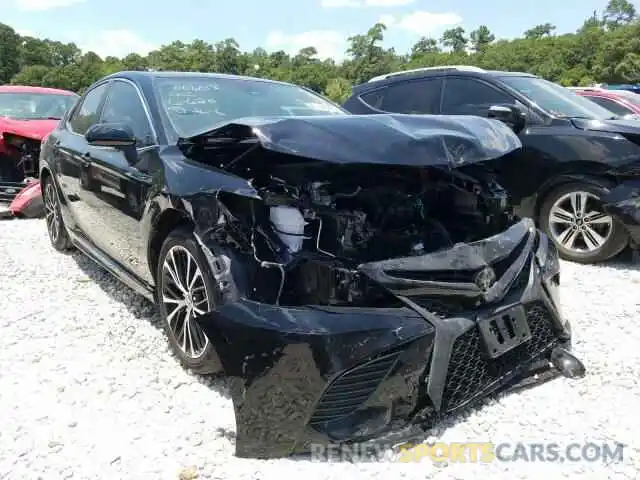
115, 135
509, 114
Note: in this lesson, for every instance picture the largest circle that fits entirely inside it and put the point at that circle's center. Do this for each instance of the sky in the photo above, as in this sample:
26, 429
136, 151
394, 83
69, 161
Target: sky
119, 27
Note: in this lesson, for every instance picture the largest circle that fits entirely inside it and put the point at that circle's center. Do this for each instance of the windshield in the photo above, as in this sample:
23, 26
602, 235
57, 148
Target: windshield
196, 103
556, 99
34, 106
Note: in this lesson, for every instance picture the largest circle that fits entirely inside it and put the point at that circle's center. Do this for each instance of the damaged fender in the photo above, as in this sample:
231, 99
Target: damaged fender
623, 202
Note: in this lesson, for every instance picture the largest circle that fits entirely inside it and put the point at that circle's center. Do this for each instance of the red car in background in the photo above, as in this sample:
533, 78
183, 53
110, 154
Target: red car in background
27, 116
621, 102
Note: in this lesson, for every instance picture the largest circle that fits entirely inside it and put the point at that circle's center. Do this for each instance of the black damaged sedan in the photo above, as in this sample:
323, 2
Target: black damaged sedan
351, 274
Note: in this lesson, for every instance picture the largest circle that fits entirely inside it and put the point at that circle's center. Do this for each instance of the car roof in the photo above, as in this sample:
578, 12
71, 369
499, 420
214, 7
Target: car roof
597, 91
146, 75
30, 89
445, 70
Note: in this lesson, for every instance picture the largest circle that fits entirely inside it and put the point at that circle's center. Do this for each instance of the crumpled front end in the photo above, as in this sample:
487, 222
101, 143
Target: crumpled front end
470, 320
18, 164
371, 274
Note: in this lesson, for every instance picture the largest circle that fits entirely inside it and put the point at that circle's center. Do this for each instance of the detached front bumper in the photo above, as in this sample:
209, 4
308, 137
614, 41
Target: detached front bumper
310, 374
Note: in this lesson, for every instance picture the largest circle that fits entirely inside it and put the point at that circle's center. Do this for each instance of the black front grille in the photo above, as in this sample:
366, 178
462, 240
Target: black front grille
9, 190
445, 307
471, 370
522, 279
351, 389
461, 275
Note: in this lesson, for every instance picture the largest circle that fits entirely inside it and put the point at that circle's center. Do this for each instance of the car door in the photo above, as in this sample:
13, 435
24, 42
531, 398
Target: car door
118, 186
471, 96
69, 155
520, 174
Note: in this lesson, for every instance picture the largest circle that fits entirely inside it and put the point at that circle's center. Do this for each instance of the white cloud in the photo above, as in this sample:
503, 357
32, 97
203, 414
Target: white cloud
42, 5
426, 23
364, 3
388, 3
339, 3
387, 20
117, 43
25, 32
328, 43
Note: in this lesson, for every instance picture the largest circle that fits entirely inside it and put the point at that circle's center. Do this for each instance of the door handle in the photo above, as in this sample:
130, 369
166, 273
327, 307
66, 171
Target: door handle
87, 155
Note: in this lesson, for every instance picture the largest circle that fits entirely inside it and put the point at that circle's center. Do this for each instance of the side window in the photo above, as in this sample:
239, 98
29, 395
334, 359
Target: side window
467, 96
610, 105
414, 97
124, 105
86, 114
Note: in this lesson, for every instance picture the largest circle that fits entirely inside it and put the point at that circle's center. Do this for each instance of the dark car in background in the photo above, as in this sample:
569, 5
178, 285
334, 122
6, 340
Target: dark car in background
578, 174
348, 273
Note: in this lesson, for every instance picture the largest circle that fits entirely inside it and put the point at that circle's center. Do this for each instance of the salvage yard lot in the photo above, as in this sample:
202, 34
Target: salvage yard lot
88, 388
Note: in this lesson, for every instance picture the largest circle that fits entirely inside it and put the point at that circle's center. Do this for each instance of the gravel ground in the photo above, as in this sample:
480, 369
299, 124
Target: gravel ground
88, 388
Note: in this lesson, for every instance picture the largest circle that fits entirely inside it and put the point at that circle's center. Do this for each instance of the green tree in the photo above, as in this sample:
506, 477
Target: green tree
618, 13
455, 39
481, 38
425, 45
540, 31
9, 53
606, 48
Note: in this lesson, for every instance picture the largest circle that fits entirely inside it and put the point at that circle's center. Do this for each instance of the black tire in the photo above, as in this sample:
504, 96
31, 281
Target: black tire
53, 217
617, 240
207, 362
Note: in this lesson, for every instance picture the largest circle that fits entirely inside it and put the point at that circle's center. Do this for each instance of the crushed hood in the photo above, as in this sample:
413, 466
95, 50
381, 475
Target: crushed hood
34, 129
411, 140
622, 126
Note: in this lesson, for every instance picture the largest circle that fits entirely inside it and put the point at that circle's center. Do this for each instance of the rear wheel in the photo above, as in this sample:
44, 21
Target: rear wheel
185, 289
574, 221
53, 218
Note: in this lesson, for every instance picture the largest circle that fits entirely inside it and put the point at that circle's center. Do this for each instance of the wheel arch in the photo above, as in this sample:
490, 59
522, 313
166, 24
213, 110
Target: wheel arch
590, 173
169, 220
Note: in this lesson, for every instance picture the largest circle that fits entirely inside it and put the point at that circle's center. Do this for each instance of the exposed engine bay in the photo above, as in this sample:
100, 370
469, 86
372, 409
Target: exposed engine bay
307, 238
21, 161
18, 171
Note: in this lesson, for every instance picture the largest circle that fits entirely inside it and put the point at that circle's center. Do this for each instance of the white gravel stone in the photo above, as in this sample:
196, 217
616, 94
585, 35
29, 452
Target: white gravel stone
88, 389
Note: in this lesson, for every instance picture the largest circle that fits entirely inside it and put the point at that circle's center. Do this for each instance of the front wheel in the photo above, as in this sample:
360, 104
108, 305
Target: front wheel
574, 221
53, 217
185, 289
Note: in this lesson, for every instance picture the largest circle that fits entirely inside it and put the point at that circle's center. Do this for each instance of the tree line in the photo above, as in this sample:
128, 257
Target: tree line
606, 48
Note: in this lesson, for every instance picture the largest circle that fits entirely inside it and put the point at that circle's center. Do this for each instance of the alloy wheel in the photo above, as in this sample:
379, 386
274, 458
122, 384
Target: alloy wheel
52, 212
184, 295
576, 223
